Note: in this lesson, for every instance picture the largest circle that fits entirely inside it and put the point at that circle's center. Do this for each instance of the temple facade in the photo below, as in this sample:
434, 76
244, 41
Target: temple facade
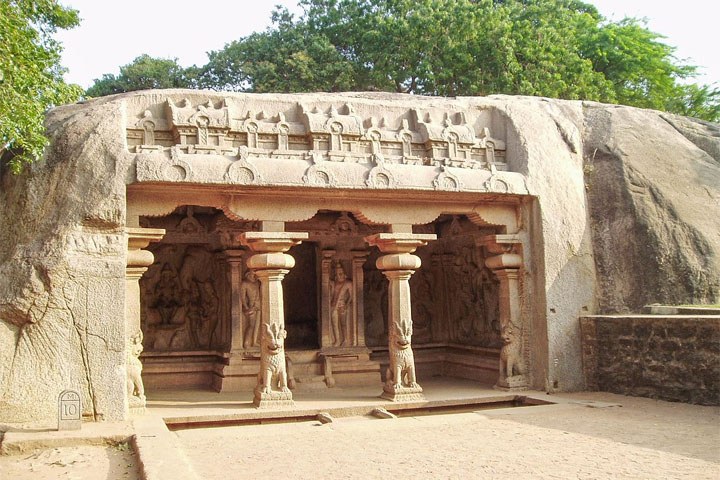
364, 246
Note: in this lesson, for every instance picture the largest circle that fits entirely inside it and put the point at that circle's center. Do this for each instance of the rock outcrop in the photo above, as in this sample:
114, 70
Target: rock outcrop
654, 197
621, 208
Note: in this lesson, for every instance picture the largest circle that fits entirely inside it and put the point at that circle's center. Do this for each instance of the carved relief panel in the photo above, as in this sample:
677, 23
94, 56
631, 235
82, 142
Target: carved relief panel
454, 297
184, 293
341, 255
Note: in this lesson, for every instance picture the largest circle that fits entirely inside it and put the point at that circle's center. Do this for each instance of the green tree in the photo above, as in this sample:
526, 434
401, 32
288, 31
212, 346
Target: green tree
287, 58
144, 73
30, 75
554, 48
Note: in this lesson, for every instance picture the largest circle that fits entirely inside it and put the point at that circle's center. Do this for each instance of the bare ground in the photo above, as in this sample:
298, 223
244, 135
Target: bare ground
72, 463
641, 439
589, 435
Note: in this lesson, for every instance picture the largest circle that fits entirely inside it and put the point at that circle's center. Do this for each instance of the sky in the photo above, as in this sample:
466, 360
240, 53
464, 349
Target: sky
112, 34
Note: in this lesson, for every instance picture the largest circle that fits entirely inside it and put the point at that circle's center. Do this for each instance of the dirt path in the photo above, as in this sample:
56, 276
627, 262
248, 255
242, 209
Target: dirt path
72, 463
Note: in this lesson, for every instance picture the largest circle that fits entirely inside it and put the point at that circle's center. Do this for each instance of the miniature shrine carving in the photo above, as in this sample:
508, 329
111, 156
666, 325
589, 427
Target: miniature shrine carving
167, 138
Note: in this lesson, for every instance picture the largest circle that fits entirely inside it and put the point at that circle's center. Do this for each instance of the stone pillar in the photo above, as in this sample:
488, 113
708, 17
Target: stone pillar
234, 259
398, 265
138, 261
270, 264
326, 262
358, 278
505, 262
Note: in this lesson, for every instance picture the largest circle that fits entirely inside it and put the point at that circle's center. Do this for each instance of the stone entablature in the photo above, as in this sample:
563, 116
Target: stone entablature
324, 144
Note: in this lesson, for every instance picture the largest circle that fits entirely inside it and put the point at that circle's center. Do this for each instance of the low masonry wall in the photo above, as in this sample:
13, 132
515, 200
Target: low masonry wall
669, 357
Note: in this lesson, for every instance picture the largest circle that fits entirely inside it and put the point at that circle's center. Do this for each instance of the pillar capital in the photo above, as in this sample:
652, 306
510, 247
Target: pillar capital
138, 239
272, 242
399, 242
499, 244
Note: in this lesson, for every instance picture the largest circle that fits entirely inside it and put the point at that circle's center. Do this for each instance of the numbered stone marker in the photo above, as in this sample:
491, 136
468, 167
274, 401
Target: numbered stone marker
69, 410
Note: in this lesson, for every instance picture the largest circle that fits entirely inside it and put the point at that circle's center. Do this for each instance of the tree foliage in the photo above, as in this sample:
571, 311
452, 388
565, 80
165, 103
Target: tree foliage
290, 57
554, 48
144, 73
30, 75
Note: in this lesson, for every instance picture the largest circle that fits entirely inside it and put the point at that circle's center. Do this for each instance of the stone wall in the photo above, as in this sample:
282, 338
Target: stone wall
674, 358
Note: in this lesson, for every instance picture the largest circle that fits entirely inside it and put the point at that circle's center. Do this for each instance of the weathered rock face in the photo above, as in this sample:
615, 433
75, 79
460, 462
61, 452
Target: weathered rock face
62, 266
645, 230
653, 192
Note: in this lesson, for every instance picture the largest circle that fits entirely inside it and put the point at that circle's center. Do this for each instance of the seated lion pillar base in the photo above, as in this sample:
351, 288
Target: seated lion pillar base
136, 405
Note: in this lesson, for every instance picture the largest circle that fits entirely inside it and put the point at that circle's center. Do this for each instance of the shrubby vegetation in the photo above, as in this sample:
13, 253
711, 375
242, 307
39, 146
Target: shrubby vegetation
30, 75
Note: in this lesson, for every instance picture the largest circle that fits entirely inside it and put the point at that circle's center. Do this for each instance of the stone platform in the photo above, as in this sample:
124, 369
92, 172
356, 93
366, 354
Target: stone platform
194, 408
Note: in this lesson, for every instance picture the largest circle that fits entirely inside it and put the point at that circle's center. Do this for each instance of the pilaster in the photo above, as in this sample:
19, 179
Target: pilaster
504, 259
138, 261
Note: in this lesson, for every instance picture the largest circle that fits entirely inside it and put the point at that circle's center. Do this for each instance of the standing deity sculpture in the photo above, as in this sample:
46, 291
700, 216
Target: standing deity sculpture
252, 308
167, 299
340, 307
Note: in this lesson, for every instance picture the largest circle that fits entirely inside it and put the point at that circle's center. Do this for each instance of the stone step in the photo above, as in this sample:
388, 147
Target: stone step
307, 383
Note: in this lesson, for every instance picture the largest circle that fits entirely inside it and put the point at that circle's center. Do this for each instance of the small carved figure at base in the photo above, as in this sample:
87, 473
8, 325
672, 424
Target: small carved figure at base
272, 387
401, 384
517, 382
135, 388
512, 369
273, 399
403, 394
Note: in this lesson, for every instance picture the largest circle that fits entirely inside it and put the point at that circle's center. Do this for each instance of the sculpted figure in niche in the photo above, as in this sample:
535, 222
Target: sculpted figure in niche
251, 307
340, 306
422, 306
273, 371
511, 360
200, 308
375, 308
167, 299
135, 388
